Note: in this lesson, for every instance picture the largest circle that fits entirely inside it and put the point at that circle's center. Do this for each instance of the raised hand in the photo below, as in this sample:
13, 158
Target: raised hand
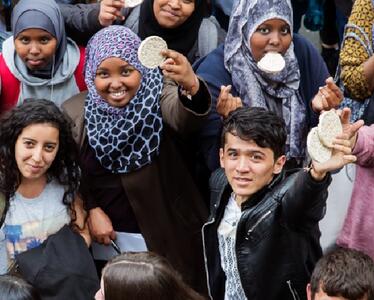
177, 67
110, 10
226, 102
342, 148
328, 96
350, 129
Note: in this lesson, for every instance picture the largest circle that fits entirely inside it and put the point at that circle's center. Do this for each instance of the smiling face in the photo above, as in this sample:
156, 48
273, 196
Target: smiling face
35, 150
172, 13
248, 167
116, 81
35, 47
273, 35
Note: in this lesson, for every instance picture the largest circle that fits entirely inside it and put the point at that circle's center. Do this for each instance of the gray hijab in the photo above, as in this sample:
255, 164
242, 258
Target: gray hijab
46, 15
276, 92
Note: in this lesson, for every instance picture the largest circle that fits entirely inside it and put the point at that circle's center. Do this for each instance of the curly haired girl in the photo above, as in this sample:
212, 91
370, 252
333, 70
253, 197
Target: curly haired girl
39, 178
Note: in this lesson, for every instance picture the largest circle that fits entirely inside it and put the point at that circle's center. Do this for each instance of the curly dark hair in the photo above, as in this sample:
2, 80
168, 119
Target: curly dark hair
64, 168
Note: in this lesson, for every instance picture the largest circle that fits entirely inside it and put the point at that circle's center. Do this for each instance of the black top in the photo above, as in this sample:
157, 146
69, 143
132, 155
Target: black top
101, 188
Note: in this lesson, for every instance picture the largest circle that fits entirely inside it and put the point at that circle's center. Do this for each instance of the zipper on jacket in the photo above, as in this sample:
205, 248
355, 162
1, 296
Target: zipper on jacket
250, 230
292, 290
205, 256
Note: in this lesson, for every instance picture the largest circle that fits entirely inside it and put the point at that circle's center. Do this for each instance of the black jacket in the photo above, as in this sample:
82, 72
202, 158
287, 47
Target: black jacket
61, 268
277, 238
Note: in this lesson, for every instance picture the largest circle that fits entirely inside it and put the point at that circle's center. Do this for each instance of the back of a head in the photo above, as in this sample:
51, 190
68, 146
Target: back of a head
263, 127
15, 288
144, 275
346, 273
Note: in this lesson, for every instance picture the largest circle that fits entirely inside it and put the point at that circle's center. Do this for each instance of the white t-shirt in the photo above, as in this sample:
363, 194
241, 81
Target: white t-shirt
30, 221
226, 240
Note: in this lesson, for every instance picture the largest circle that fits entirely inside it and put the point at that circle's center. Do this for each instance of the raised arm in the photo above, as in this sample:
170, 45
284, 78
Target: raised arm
304, 202
185, 100
81, 21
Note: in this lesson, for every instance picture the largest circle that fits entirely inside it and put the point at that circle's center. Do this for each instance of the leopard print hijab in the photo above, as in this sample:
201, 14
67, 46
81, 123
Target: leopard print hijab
128, 138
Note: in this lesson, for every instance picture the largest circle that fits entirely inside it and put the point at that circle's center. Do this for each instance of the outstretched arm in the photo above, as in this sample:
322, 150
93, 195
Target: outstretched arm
303, 204
81, 21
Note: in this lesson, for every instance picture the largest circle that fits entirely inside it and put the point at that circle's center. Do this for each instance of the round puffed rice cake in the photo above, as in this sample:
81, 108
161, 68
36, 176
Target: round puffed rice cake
316, 149
272, 62
329, 127
149, 52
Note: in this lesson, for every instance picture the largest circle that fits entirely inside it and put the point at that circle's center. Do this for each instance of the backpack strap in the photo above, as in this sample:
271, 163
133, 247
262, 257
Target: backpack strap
79, 71
10, 87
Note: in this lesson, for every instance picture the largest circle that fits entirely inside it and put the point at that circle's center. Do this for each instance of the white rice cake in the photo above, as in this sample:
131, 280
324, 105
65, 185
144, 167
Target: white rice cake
316, 149
149, 52
272, 62
132, 3
329, 127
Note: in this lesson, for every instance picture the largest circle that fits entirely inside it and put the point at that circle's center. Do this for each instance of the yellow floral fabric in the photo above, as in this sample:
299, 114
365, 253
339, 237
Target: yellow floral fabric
353, 54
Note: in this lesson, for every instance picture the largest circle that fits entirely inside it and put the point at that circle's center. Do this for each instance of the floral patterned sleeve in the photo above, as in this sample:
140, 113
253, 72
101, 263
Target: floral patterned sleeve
353, 53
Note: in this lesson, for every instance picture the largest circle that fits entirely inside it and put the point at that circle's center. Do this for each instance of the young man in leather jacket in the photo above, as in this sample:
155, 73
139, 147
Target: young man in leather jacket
261, 241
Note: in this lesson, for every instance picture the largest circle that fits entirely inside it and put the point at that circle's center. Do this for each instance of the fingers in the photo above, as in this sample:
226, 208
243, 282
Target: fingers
226, 102
345, 115
177, 57
105, 240
110, 10
350, 158
357, 125
330, 97
224, 93
334, 88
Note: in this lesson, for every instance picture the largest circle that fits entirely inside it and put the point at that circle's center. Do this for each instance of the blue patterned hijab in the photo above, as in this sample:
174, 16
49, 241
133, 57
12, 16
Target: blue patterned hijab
277, 92
128, 138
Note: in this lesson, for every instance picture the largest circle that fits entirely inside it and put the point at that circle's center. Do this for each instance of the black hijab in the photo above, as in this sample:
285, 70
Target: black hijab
180, 39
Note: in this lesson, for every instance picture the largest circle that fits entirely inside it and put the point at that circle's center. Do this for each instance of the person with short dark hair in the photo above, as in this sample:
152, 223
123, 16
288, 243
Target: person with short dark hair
15, 288
262, 238
342, 274
143, 275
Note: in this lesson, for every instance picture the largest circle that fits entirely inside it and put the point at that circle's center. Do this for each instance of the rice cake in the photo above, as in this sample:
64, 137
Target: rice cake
272, 62
316, 149
329, 127
149, 52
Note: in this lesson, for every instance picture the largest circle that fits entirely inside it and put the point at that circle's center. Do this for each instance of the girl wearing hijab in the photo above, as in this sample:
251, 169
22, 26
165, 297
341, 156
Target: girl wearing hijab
234, 79
133, 177
182, 24
39, 61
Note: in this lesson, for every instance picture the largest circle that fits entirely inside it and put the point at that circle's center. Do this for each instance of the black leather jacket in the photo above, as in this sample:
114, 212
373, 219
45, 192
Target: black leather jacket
277, 238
